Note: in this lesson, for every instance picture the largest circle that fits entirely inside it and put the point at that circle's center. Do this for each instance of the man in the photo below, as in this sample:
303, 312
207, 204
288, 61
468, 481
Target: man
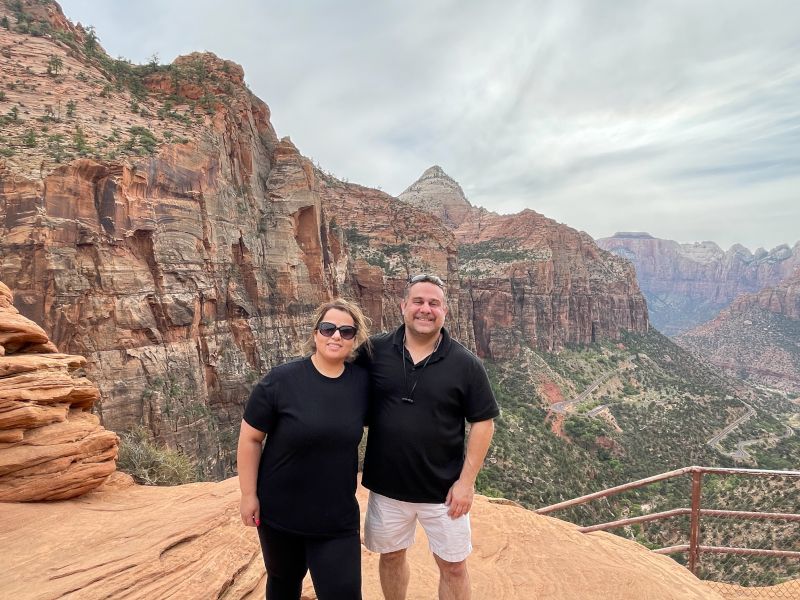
424, 386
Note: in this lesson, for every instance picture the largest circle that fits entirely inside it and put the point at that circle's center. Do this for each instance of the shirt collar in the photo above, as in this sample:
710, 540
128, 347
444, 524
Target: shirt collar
444, 345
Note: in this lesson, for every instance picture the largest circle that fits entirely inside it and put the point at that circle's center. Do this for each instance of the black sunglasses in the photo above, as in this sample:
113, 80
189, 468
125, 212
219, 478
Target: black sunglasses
348, 332
425, 278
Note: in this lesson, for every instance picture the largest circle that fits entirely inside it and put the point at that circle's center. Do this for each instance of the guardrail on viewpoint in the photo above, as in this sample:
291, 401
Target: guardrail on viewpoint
785, 521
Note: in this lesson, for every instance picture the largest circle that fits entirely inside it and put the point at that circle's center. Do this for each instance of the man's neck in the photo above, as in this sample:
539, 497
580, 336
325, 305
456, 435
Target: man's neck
421, 346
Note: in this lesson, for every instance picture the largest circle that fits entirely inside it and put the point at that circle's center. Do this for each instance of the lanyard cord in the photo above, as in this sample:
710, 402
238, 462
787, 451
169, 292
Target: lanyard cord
410, 397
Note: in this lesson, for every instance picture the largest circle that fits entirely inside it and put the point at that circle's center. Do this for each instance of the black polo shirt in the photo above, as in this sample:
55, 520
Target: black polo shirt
415, 450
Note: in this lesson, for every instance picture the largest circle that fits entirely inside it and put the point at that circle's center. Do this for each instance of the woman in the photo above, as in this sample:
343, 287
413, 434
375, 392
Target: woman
300, 491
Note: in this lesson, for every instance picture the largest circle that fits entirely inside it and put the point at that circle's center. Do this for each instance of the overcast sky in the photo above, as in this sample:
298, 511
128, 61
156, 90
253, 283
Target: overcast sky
680, 118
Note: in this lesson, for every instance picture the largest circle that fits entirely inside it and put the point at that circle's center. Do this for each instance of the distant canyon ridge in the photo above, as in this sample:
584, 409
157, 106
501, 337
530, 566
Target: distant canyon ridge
152, 221
738, 309
689, 284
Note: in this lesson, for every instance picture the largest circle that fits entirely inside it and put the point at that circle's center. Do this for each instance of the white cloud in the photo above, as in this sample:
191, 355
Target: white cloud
679, 118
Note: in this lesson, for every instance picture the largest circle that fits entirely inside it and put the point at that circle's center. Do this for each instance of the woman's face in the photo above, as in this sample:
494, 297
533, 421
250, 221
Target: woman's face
334, 348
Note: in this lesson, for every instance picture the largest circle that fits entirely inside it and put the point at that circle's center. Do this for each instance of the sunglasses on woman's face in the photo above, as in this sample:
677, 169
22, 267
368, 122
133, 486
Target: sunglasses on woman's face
348, 332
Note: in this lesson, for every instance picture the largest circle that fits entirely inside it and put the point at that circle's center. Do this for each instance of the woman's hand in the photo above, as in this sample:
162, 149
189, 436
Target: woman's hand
248, 455
249, 510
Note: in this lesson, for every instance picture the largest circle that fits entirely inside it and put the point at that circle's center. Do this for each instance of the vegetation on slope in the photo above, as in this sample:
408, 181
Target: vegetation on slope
662, 408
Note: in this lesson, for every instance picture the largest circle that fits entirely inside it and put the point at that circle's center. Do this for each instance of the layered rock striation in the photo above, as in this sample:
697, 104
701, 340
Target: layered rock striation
51, 446
528, 280
161, 229
688, 284
188, 542
756, 337
155, 223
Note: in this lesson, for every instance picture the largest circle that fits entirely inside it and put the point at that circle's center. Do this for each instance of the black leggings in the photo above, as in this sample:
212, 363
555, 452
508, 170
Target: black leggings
335, 564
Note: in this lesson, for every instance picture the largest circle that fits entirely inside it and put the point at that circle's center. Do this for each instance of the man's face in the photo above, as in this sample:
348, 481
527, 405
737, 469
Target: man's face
424, 308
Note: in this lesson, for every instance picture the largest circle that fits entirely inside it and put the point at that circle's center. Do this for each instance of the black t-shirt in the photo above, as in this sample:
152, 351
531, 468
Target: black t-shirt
307, 473
415, 450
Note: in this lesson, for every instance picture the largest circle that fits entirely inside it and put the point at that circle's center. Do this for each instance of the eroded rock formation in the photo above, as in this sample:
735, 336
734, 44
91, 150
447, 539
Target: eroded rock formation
526, 279
51, 446
756, 337
164, 231
688, 284
188, 542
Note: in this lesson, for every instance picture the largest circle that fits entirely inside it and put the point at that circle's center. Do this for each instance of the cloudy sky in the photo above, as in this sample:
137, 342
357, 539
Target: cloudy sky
679, 118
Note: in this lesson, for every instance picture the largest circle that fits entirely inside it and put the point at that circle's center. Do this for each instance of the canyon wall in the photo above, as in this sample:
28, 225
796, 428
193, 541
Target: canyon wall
688, 284
152, 221
528, 280
756, 337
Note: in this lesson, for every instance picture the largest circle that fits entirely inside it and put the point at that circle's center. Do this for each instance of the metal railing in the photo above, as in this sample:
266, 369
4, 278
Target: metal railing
695, 512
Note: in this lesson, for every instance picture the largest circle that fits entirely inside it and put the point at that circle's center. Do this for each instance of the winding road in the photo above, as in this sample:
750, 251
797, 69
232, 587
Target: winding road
562, 407
740, 453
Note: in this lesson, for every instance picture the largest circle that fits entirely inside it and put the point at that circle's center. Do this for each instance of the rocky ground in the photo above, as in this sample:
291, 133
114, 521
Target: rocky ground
188, 542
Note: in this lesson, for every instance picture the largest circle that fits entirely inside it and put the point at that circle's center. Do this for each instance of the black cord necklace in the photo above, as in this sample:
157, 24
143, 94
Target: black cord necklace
409, 397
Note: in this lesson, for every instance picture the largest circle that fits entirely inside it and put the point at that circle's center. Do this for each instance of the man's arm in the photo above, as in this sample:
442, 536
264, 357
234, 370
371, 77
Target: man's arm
460, 496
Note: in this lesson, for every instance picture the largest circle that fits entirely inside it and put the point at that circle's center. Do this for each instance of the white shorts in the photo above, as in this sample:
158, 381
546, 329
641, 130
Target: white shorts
391, 524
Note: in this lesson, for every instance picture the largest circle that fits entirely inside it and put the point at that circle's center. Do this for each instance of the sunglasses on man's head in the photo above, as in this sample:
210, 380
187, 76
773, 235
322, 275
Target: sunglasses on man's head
425, 278
348, 332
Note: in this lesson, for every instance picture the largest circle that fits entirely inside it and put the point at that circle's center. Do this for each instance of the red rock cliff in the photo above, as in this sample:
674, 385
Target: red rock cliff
154, 223
51, 446
688, 284
526, 279
756, 336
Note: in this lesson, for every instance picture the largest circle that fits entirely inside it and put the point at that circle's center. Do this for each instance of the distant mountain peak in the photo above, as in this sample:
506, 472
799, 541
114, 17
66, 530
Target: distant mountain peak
435, 171
438, 193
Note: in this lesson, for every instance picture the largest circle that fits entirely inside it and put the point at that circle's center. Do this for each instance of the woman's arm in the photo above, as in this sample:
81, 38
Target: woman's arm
248, 455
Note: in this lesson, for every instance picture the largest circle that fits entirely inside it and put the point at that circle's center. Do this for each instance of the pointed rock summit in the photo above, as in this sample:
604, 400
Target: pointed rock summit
438, 193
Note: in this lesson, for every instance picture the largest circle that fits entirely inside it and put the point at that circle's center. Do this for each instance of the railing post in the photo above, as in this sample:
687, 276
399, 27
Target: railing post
694, 522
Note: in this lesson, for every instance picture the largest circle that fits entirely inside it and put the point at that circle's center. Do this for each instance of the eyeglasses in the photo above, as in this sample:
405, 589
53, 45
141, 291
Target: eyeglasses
348, 332
425, 278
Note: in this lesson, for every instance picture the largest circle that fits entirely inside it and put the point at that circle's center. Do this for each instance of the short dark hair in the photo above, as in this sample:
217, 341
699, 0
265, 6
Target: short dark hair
425, 278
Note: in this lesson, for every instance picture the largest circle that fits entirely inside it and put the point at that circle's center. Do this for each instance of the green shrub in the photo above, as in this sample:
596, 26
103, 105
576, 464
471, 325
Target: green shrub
29, 139
54, 65
150, 464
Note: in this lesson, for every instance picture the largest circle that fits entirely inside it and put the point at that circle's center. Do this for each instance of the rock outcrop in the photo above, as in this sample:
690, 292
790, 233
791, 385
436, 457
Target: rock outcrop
188, 542
526, 279
756, 337
688, 284
177, 246
438, 193
51, 446
161, 229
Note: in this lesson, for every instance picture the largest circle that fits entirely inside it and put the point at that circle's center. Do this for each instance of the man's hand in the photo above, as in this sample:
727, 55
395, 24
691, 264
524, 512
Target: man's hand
459, 498
249, 510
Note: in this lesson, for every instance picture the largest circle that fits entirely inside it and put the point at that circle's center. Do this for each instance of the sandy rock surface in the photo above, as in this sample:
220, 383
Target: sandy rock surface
129, 541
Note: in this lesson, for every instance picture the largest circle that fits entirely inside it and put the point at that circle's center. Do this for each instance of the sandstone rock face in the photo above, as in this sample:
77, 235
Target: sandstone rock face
385, 242
162, 230
181, 272
525, 279
51, 446
756, 337
438, 193
688, 284
188, 542
185, 267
